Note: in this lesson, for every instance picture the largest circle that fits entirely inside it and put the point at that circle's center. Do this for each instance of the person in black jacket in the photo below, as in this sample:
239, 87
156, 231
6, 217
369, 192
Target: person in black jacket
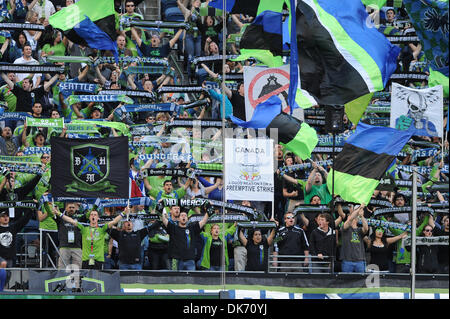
443, 230
293, 242
322, 243
427, 255
129, 242
8, 235
158, 247
8, 231
182, 238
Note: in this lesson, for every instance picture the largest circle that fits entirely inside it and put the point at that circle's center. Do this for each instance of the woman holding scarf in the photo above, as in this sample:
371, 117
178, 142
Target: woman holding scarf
378, 247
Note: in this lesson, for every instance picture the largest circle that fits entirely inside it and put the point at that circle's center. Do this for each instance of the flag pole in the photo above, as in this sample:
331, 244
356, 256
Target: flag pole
332, 198
224, 53
413, 233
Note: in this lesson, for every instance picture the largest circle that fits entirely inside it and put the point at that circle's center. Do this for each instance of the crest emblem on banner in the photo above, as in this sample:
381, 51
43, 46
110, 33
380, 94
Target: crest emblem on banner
90, 168
250, 172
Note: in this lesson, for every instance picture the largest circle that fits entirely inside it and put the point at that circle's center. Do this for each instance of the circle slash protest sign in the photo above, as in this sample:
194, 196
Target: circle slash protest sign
254, 102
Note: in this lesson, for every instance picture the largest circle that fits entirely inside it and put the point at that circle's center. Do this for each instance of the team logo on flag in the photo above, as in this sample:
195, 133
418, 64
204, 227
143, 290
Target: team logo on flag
90, 168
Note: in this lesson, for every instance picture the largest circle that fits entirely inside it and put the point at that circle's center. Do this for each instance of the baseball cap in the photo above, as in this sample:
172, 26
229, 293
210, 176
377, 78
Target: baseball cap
4, 212
98, 107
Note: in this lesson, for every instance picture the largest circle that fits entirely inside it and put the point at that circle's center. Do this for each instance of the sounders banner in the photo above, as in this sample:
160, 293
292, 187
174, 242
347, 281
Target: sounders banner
249, 169
44, 122
90, 167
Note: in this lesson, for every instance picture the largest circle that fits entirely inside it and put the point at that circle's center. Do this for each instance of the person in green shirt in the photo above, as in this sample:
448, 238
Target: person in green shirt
93, 237
403, 256
168, 191
155, 182
315, 185
58, 46
130, 14
7, 95
211, 258
48, 230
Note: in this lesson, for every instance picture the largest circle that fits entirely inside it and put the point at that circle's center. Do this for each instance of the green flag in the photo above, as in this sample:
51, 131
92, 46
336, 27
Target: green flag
377, 4
70, 16
356, 108
437, 78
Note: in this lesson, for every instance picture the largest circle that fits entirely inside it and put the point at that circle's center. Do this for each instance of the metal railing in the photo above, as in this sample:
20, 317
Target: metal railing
296, 263
25, 254
55, 247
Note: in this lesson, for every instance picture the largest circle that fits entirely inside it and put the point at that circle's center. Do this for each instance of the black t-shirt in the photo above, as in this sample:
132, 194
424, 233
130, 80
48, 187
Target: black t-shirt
63, 234
380, 255
215, 253
155, 52
257, 255
311, 226
25, 99
212, 32
238, 102
182, 240
129, 244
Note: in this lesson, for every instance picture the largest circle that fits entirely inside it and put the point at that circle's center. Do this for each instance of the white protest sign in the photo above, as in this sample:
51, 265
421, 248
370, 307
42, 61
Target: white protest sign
249, 169
420, 110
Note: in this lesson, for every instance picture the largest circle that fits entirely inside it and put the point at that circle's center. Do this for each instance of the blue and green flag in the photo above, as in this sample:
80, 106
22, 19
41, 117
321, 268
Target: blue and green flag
366, 156
72, 20
340, 57
263, 38
295, 135
250, 7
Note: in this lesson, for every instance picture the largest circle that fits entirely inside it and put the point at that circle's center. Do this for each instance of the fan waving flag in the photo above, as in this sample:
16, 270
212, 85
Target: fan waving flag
366, 156
340, 57
95, 167
293, 134
100, 12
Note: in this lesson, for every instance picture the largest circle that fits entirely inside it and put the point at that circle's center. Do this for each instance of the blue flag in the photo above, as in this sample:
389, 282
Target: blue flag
95, 37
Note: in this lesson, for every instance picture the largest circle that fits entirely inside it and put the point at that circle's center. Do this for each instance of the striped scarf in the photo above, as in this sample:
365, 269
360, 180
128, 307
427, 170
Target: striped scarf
145, 69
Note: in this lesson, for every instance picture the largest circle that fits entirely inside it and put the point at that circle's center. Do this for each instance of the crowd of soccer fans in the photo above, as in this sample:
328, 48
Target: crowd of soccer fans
133, 238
